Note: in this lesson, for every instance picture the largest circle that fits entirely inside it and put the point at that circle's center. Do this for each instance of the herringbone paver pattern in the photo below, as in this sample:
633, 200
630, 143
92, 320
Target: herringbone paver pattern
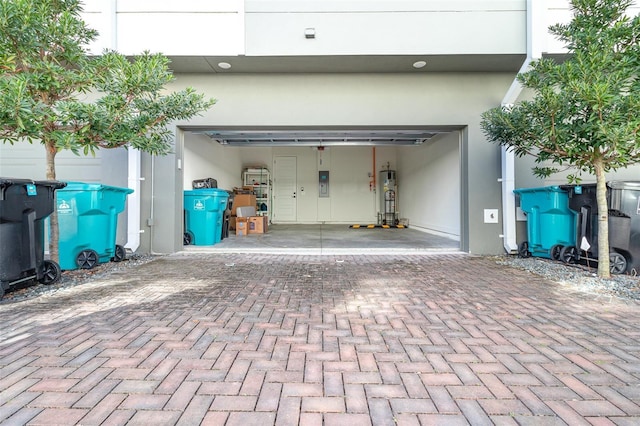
297, 340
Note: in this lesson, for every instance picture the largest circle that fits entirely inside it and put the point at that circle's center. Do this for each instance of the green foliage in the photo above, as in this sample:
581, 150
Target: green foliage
585, 109
51, 90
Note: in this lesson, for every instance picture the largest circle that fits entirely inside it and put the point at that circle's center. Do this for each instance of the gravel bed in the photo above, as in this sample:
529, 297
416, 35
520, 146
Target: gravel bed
582, 278
76, 277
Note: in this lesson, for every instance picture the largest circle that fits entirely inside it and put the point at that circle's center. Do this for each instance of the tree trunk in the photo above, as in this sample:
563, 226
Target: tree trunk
603, 221
53, 219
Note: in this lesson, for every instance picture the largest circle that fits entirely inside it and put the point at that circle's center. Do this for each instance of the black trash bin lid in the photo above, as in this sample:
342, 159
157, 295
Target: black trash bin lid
6, 182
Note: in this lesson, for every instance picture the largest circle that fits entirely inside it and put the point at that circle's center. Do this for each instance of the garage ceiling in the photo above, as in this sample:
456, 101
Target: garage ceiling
342, 137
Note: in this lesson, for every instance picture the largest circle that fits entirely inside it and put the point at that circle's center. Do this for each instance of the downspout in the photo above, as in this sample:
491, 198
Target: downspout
535, 22
133, 201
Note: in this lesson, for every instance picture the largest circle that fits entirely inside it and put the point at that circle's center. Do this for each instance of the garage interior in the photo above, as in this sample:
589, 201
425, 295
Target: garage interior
328, 186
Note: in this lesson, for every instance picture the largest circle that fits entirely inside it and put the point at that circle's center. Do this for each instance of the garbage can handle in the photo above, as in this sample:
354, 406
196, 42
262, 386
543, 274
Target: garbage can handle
29, 220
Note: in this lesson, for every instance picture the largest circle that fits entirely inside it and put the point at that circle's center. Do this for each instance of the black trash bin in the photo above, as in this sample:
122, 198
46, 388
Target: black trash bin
227, 217
624, 199
583, 201
24, 206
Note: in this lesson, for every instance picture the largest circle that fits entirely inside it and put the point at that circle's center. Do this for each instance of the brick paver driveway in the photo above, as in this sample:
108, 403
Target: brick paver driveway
356, 340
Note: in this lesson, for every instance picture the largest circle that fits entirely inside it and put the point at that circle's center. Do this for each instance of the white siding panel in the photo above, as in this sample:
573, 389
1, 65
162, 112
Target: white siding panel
181, 33
24, 160
179, 6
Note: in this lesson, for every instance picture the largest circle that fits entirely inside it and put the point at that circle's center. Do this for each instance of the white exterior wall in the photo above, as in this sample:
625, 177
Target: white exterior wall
385, 27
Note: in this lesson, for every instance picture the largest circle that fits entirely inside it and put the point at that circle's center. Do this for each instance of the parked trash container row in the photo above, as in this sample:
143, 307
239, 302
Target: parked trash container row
24, 206
87, 225
562, 223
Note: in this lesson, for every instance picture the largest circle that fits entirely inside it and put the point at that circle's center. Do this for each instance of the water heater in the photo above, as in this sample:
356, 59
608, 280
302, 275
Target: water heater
388, 197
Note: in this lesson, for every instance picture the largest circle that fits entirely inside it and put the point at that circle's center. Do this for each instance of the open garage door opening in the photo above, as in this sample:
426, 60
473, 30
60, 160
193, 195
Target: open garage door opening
345, 189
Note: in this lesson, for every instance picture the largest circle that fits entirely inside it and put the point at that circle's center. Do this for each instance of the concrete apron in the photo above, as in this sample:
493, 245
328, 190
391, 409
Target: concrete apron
322, 239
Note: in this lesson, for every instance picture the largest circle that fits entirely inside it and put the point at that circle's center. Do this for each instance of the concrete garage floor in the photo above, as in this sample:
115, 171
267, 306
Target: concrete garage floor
332, 239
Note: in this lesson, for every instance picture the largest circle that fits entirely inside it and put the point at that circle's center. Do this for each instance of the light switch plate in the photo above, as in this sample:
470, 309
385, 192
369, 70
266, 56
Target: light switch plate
490, 215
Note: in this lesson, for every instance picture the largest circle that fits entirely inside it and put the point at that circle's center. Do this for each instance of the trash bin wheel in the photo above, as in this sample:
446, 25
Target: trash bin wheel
523, 249
617, 263
52, 273
187, 239
87, 259
569, 254
120, 254
555, 250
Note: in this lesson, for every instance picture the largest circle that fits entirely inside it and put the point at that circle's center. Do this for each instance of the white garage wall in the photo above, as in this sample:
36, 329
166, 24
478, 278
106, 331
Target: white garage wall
351, 199
204, 158
429, 184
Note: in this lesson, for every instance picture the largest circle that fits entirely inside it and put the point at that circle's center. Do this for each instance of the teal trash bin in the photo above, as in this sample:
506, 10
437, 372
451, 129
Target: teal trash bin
204, 215
551, 224
88, 223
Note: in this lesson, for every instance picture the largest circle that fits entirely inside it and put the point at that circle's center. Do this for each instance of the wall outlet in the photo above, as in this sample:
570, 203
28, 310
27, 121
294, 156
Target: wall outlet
490, 215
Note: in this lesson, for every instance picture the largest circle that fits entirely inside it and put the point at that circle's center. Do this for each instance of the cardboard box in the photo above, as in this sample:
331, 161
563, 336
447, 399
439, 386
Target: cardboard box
232, 223
242, 225
243, 200
258, 224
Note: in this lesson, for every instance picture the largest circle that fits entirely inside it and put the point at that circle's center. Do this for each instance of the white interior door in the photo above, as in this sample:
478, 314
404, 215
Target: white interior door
285, 201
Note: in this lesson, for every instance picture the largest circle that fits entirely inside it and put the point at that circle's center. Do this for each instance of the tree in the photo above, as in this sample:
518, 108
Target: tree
585, 112
48, 81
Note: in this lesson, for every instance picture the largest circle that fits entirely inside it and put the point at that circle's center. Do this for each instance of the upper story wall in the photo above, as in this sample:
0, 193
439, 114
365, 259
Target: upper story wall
342, 27
385, 27
276, 27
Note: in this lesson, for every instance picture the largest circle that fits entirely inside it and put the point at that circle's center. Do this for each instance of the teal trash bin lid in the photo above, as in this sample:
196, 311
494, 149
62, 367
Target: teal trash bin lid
205, 199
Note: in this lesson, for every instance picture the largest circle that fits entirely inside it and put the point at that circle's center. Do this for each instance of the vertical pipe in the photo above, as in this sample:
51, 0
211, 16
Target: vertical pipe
134, 200
374, 169
375, 192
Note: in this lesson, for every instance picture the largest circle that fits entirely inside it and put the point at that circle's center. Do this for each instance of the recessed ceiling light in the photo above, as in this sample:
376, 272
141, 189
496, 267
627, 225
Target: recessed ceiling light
224, 65
419, 64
